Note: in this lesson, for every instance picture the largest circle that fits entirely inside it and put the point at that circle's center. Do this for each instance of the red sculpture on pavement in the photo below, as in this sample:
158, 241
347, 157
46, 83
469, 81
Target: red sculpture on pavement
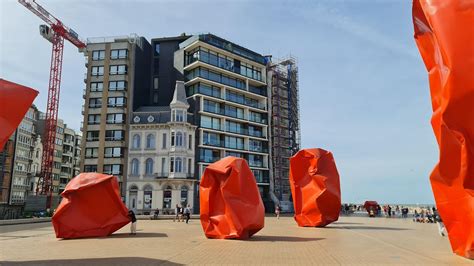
231, 206
315, 187
91, 207
444, 33
15, 100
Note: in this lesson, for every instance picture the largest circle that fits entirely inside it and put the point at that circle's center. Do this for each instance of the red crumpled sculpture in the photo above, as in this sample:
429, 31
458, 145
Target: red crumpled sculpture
315, 187
444, 33
15, 100
91, 207
230, 202
371, 205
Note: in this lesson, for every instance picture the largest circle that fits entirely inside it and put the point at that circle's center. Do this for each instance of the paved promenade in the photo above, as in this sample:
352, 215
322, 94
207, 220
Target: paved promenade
352, 240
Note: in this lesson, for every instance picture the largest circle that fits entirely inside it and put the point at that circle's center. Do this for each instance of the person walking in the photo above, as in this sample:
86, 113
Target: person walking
133, 219
277, 211
389, 209
176, 213
187, 213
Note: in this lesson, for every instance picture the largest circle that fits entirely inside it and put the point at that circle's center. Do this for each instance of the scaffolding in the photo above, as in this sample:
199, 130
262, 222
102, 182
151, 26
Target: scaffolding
285, 125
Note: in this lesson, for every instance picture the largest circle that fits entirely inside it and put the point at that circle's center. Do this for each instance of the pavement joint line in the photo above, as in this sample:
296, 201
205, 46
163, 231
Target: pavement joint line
389, 244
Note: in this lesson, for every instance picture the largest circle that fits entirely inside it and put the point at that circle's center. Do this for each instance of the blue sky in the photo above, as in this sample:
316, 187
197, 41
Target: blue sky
364, 89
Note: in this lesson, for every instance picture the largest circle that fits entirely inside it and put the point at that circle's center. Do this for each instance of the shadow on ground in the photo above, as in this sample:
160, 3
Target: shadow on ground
121, 235
345, 223
367, 228
102, 261
283, 239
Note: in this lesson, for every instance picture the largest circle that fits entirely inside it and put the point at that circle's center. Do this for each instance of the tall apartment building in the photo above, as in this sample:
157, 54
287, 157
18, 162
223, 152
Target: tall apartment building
6, 168
226, 89
114, 67
285, 127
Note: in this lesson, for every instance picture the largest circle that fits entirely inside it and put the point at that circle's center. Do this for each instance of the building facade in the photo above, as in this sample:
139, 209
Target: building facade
284, 126
161, 157
114, 68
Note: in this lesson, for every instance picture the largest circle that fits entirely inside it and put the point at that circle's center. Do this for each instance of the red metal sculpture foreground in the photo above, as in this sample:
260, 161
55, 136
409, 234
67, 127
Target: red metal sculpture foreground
231, 206
91, 207
444, 33
315, 187
15, 100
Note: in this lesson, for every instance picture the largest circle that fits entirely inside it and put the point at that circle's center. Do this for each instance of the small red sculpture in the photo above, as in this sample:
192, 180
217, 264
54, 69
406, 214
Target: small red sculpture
315, 187
231, 206
91, 207
444, 33
15, 100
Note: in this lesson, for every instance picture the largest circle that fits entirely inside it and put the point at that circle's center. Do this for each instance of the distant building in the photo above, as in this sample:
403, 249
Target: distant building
161, 156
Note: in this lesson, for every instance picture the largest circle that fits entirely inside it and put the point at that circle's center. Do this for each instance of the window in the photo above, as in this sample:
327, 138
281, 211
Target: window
172, 139
98, 55
190, 142
167, 197
208, 155
234, 154
179, 116
179, 139
96, 86
155, 83
189, 166
178, 165
163, 163
118, 54
163, 143
120, 85
136, 141
172, 165
234, 143
149, 166
150, 141
211, 139
92, 152
184, 195
116, 102
210, 122
92, 136
255, 160
234, 111
212, 107
234, 127
113, 169
114, 152
90, 168
135, 165
255, 131
155, 97
118, 69
114, 135
147, 196
95, 102
157, 49
97, 71
115, 118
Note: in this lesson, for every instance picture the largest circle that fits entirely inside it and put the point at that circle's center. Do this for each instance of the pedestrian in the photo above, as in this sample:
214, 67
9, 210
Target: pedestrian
176, 213
187, 213
133, 219
181, 213
389, 211
277, 211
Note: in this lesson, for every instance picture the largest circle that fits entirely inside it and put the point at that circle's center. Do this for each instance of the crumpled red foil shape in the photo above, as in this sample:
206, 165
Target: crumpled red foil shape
230, 202
444, 33
315, 187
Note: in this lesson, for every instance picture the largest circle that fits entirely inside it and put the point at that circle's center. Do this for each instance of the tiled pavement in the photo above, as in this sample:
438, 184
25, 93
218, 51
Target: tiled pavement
352, 240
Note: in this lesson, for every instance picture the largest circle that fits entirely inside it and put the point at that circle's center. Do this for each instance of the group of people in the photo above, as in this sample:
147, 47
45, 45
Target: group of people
182, 213
398, 211
430, 216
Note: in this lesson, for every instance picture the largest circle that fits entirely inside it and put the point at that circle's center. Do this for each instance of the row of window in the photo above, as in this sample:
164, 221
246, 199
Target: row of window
119, 85
113, 70
114, 54
177, 165
178, 139
111, 119
109, 152
111, 169
232, 111
214, 139
231, 126
111, 102
110, 135
213, 58
210, 156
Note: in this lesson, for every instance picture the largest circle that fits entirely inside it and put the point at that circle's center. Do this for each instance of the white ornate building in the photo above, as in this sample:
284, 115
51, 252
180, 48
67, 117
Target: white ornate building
161, 166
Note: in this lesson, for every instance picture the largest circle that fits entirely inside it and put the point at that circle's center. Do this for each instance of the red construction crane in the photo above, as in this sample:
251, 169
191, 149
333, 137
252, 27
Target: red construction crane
55, 32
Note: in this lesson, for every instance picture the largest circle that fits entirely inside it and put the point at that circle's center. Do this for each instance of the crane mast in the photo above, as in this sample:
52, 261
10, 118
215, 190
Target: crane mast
55, 32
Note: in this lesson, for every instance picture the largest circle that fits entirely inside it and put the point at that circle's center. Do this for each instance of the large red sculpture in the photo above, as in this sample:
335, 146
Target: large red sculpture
91, 207
231, 206
315, 187
15, 100
444, 33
